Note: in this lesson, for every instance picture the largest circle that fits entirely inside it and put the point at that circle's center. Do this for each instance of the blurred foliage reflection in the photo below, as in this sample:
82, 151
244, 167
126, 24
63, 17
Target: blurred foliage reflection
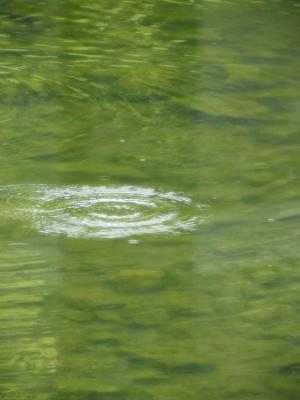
198, 97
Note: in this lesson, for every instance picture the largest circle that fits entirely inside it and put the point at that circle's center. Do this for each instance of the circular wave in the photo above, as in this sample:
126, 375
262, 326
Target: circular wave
108, 212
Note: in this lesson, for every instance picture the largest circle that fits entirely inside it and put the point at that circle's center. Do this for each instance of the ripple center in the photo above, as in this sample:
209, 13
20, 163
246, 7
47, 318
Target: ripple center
108, 212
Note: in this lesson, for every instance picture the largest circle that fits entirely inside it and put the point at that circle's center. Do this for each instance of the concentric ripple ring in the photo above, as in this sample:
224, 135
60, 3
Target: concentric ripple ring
102, 211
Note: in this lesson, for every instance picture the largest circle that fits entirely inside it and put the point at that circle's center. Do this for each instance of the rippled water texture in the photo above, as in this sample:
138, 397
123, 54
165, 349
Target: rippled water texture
149, 200
91, 212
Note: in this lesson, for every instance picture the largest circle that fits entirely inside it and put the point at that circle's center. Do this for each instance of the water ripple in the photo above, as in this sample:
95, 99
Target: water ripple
108, 212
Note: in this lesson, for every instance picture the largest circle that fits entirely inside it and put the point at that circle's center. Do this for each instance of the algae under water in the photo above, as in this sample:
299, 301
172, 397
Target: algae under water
149, 200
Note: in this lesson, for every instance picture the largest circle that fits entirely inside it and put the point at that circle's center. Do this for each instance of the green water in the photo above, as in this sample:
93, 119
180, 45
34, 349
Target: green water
187, 113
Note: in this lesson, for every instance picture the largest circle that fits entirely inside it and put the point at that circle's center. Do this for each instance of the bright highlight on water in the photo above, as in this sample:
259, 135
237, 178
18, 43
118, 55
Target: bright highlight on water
107, 212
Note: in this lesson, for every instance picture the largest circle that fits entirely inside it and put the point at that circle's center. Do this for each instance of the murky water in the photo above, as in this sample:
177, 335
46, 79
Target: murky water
149, 197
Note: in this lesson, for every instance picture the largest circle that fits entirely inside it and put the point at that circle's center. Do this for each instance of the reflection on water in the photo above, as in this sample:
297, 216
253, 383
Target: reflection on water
27, 341
121, 119
93, 212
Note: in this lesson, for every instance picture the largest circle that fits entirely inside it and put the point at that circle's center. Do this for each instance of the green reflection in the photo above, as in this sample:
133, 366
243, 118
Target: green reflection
194, 97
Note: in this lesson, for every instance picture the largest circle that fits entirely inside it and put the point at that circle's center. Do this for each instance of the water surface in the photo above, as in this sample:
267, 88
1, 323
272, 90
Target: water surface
149, 198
